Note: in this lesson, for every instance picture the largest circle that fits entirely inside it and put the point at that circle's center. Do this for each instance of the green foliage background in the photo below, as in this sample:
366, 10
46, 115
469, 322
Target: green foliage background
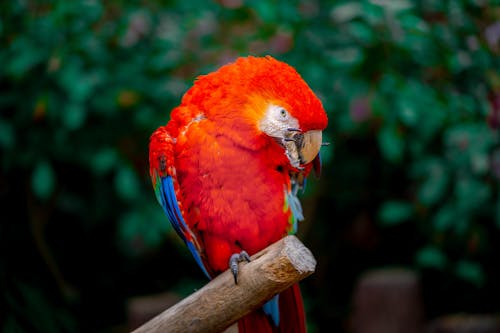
412, 90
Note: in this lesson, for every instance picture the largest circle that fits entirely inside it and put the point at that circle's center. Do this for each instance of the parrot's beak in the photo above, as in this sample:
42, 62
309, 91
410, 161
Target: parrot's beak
310, 146
301, 147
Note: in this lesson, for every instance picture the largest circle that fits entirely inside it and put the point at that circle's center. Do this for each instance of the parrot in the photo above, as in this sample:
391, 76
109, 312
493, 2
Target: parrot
229, 164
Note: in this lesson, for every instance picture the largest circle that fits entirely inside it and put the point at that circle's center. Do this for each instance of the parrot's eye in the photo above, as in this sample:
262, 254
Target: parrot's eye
283, 113
276, 121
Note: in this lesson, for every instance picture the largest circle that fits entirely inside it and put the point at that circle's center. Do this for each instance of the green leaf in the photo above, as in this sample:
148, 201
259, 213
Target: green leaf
388, 83
43, 180
144, 228
431, 257
346, 57
434, 180
7, 137
471, 272
444, 218
345, 12
408, 112
372, 13
395, 6
24, 58
362, 32
471, 193
74, 116
432, 189
395, 212
78, 83
391, 144
104, 160
266, 11
414, 23
127, 184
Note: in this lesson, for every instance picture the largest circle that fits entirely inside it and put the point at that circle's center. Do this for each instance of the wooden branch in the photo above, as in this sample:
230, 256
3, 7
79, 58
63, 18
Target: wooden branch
221, 302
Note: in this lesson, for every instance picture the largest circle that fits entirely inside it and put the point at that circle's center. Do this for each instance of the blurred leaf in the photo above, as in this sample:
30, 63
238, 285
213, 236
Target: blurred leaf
431, 257
444, 218
388, 83
380, 105
394, 6
459, 61
143, 229
373, 13
78, 83
266, 11
434, 180
74, 116
345, 11
43, 180
395, 212
408, 112
471, 194
362, 32
25, 56
391, 144
126, 184
413, 23
471, 272
104, 160
469, 148
419, 108
7, 137
346, 57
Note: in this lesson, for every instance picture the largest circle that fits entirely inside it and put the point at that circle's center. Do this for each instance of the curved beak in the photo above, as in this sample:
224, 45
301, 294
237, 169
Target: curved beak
310, 145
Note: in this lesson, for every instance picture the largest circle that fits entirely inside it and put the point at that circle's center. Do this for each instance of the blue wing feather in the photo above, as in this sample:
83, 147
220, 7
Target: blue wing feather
272, 309
169, 203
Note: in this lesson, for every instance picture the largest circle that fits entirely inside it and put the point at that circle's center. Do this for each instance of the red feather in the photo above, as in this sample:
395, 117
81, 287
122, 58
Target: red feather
292, 316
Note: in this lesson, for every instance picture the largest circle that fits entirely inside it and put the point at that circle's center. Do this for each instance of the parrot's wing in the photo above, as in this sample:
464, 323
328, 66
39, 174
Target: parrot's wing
162, 174
169, 203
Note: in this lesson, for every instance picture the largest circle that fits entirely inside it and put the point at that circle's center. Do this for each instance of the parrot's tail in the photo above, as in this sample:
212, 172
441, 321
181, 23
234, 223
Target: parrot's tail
292, 316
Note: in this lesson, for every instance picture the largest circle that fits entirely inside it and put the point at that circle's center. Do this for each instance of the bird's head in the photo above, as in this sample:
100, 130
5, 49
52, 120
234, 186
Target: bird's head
301, 146
263, 101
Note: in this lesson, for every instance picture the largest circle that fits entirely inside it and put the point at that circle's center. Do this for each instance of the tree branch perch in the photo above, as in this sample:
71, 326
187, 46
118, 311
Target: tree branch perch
221, 303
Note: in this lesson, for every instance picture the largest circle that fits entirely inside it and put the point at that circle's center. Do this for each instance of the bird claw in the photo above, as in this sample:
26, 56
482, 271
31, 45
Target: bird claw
235, 260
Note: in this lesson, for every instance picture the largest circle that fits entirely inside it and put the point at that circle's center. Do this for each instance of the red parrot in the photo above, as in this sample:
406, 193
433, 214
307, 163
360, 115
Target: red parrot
228, 165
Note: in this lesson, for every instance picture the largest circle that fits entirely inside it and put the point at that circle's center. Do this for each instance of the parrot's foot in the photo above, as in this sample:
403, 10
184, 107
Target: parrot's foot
235, 260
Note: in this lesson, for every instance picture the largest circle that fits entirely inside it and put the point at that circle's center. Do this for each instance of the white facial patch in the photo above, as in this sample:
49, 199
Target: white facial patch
279, 124
277, 121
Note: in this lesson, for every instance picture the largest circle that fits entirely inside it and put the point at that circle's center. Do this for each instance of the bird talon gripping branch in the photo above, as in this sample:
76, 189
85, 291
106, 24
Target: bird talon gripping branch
235, 260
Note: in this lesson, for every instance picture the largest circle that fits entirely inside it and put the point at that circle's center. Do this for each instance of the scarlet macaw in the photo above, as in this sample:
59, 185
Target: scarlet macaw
227, 167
